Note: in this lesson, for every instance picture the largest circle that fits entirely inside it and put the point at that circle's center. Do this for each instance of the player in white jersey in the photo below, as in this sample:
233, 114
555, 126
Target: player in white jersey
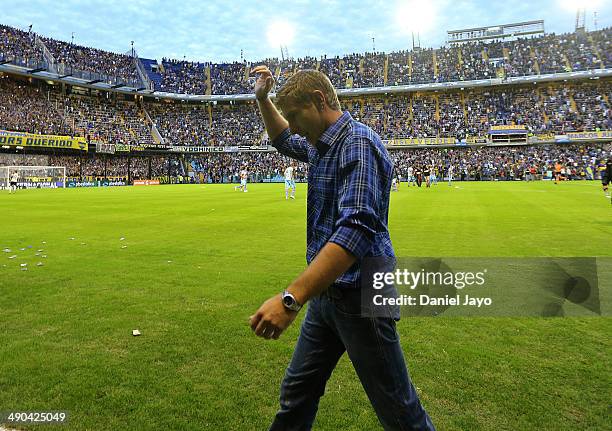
13, 182
395, 181
394, 184
450, 174
243, 180
289, 182
433, 177
411, 178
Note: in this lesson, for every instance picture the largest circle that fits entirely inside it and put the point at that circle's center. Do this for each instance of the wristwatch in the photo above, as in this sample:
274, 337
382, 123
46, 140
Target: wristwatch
290, 302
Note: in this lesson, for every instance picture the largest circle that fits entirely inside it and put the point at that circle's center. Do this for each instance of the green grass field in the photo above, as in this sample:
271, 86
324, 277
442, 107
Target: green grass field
198, 260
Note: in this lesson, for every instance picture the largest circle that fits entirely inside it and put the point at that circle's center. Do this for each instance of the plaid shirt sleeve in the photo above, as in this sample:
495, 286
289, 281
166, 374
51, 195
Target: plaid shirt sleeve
291, 146
359, 189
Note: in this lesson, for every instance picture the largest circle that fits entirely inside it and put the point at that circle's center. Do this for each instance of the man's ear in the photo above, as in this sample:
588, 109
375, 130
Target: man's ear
318, 98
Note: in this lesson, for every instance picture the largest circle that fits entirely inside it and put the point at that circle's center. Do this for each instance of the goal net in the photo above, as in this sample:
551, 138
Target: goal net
49, 177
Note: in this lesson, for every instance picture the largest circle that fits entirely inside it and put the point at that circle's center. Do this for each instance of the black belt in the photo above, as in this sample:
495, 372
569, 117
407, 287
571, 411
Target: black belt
339, 290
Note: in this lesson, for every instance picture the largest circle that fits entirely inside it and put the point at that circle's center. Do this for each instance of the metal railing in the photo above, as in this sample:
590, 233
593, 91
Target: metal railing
144, 77
49, 58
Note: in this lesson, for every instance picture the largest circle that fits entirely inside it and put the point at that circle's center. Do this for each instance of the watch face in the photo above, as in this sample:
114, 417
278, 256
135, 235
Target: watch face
288, 301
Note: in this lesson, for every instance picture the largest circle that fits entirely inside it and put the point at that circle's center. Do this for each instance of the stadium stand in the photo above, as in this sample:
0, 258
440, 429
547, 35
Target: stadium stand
221, 124
95, 61
26, 108
104, 119
230, 78
152, 70
18, 46
544, 109
506, 163
183, 77
521, 57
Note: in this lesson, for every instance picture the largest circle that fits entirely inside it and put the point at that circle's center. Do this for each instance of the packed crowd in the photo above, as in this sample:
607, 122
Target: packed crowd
475, 60
17, 45
230, 79
104, 118
116, 166
577, 161
95, 61
26, 108
542, 109
201, 125
504, 163
183, 77
553, 108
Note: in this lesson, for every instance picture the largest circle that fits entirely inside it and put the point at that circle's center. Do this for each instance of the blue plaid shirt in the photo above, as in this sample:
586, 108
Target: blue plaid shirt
349, 182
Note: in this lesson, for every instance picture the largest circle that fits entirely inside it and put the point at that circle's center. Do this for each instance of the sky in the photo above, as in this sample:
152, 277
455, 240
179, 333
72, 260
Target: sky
254, 30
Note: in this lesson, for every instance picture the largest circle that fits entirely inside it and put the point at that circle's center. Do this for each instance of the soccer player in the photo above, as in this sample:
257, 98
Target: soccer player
411, 179
434, 175
395, 181
394, 184
346, 223
427, 173
13, 182
418, 173
558, 168
289, 182
450, 175
606, 176
243, 180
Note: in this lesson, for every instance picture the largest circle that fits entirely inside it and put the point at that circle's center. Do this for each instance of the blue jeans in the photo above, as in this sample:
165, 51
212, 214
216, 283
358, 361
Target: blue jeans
333, 325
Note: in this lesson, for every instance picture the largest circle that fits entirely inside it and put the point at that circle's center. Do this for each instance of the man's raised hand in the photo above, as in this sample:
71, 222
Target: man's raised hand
264, 82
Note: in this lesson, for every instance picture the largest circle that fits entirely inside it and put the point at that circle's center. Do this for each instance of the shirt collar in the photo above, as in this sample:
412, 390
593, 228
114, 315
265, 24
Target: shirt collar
332, 133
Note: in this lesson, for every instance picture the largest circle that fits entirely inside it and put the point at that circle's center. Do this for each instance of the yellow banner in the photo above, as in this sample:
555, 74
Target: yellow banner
422, 141
606, 134
18, 139
544, 137
513, 127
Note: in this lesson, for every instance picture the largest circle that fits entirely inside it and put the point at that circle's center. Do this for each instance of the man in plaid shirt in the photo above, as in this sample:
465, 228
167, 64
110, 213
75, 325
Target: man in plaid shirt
349, 181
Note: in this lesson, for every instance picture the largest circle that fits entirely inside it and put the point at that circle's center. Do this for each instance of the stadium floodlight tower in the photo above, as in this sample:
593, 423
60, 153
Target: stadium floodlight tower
580, 7
280, 33
414, 17
580, 19
284, 52
496, 32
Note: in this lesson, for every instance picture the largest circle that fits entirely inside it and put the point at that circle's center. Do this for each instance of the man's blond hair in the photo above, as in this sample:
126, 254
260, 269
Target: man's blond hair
299, 90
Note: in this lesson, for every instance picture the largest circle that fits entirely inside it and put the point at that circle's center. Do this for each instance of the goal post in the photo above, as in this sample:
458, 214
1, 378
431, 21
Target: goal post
48, 177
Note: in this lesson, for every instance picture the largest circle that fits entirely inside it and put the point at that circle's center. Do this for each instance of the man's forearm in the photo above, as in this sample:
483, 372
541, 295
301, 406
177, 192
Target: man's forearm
332, 261
273, 120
